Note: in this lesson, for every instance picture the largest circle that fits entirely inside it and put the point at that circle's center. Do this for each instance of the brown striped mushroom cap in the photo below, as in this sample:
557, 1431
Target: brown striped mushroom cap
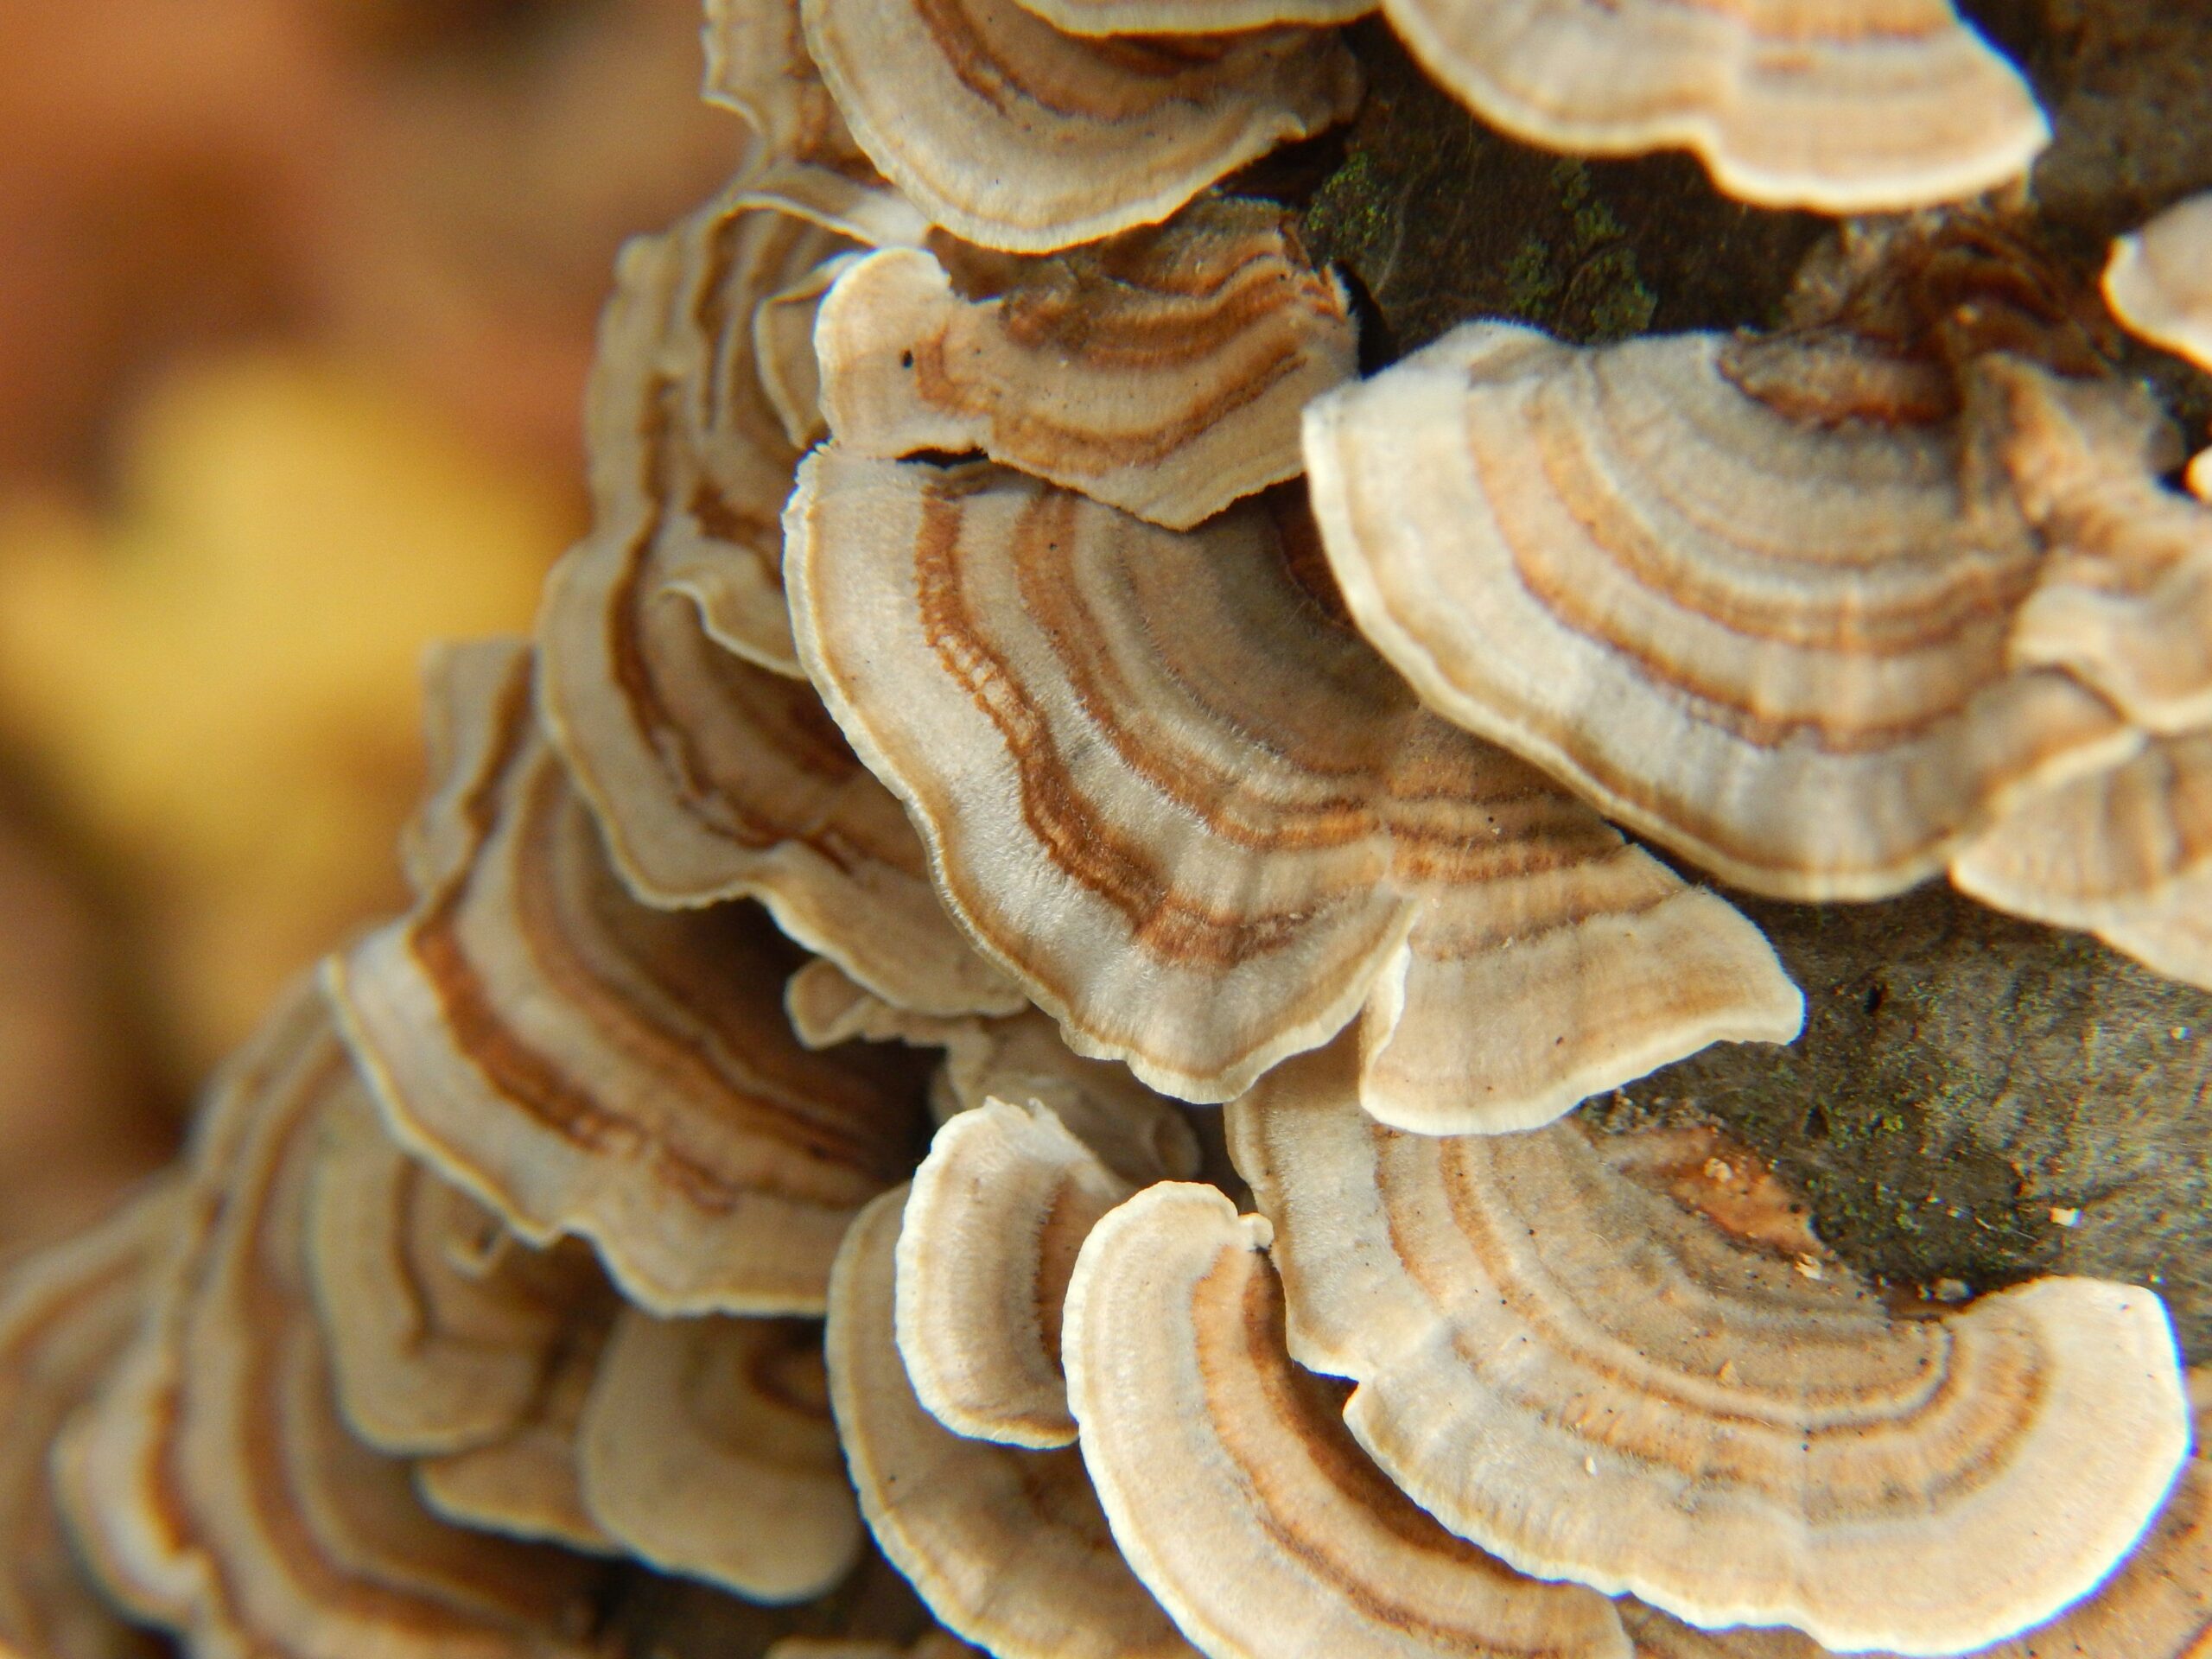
442, 1328
1008, 1546
1235, 1489
713, 777
1595, 1382
997, 1213
2159, 281
1139, 1134
2126, 855
1161, 372
1750, 597
707, 1449
1011, 134
526, 1482
2124, 600
2156, 1605
935, 1644
586, 1065
690, 460
66, 1312
213, 1484
1849, 106
1205, 826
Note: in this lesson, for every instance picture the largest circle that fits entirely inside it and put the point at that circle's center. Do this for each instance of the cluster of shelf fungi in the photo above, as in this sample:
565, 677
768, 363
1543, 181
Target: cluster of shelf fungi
998, 996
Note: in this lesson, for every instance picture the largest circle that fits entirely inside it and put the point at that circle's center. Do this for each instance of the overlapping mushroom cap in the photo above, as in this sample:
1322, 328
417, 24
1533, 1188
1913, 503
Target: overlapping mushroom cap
992, 1225
2159, 281
214, 1485
1753, 598
1161, 372
1232, 1484
664, 641
707, 1449
1011, 134
1008, 1546
1591, 1381
1206, 827
586, 1065
1845, 106
64, 1313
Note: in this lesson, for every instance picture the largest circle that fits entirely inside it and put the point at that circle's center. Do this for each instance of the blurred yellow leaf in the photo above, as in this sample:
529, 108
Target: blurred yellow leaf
218, 679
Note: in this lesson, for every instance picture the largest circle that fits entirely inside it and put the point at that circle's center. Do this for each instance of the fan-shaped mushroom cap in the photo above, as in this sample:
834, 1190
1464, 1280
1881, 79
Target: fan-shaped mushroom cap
1205, 824
1009, 1547
64, 1313
586, 1065
1232, 1484
214, 1483
1161, 372
2126, 855
2159, 281
712, 777
1592, 1381
936, 1644
1011, 134
1850, 106
1140, 1134
526, 1482
707, 1449
690, 460
440, 1327
997, 1213
2157, 1604
1747, 598
2124, 601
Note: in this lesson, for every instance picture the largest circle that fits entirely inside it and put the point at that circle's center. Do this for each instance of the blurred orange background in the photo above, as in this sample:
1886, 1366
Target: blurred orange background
296, 301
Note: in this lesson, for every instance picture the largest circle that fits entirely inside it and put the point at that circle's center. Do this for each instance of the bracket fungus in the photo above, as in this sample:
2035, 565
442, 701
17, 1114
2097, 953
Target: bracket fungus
1232, 1486
1008, 1546
214, 1484
993, 1220
1011, 134
1848, 106
2157, 284
1753, 599
584, 1064
1206, 827
1594, 1383
442, 1327
707, 1449
66, 1311
1161, 372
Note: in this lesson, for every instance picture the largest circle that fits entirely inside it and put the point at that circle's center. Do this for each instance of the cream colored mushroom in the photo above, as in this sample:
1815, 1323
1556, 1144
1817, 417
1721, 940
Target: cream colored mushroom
526, 1482
690, 460
1593, 1382
1849, 106
213, 1484
2126, 855
2156, 1605
1186, 17
1011, 134
2124, 600
66, 1311
2159, 281
997, 1213
1205, 826
586, 1065
707, 1449
1750, 597
1232, 1484
1009, 1547
1161, 372
440, 1327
